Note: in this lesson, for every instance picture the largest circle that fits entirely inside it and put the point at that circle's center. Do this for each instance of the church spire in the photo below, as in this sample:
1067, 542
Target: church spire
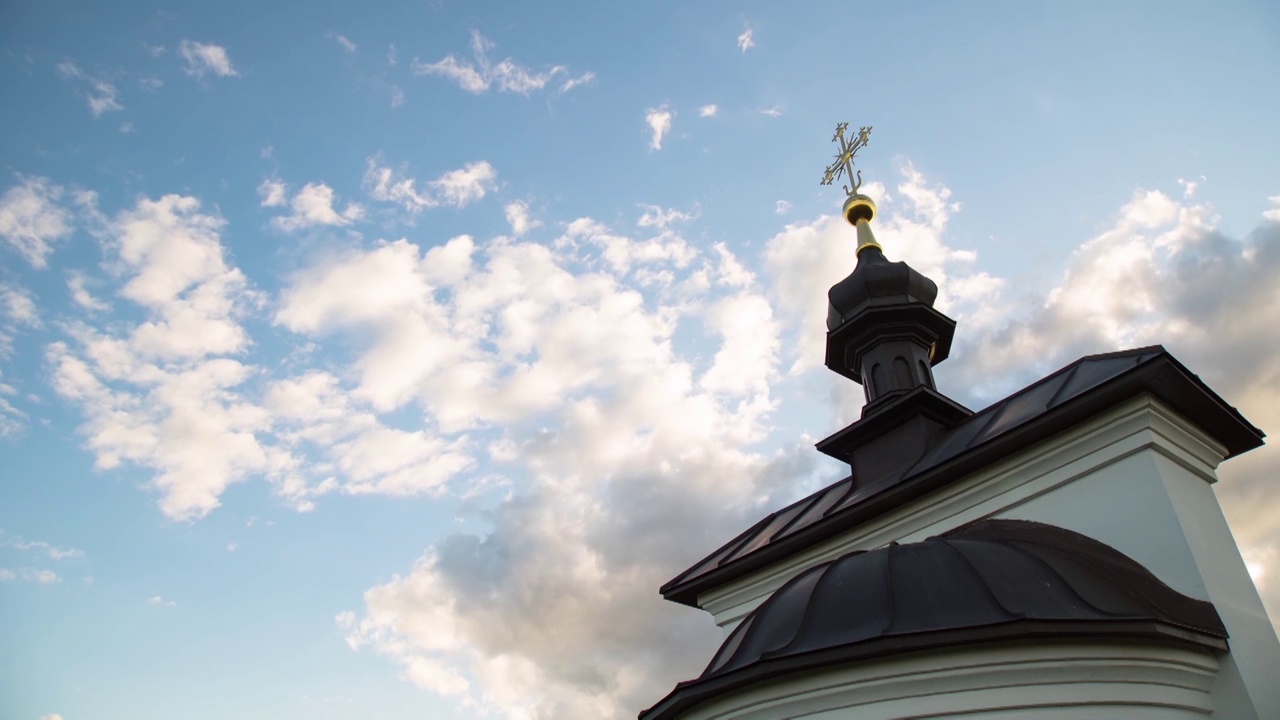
882, 329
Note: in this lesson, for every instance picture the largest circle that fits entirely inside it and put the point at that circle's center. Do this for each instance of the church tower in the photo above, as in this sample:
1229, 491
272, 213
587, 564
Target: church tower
1059, 554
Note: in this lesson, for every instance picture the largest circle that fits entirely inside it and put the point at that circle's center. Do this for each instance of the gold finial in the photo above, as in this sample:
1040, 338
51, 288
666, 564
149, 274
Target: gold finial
858, 209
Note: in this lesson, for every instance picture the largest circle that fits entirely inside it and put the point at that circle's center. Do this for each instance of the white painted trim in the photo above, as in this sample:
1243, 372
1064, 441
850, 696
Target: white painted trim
1066, 679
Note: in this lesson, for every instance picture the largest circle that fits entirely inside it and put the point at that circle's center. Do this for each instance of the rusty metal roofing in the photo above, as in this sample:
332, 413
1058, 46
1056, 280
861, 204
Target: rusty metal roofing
1049, 406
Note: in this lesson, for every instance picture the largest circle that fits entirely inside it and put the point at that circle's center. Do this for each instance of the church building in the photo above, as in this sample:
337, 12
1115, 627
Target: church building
1057, 555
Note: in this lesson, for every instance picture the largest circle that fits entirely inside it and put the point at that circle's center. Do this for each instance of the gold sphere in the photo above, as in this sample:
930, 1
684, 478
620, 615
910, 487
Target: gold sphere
859, 207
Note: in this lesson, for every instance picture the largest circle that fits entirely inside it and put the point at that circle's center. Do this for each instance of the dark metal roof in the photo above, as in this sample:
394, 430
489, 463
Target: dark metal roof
1049, 406
988, 581
876, 282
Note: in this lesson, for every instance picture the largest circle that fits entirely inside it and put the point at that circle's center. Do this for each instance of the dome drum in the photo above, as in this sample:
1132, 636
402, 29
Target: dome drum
904, 340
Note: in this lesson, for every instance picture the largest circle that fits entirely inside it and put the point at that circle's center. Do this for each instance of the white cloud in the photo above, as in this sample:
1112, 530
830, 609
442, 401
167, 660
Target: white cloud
361, 454
508, 76
463, 73
31, 575
273, 192
41, 577
342, 40
746, 40
517, 213
749, 344
31, 218
465, 185
397, 96
172, 250
773, 111
622, 252
202, 58
53, 716
388, 279
655, 216
659, 121
384, 184
730, 271
232, 547
17, 312
1189, 187
12, 420
312, 206
52, 552
782, 207
101, 95
161, 392
567, 357
1274, 213
158, 601
46, 577
572, 83
17, 307
708, 110
458, 187
392, 56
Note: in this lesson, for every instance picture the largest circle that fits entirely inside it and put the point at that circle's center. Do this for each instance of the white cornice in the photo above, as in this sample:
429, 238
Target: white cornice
1046, 680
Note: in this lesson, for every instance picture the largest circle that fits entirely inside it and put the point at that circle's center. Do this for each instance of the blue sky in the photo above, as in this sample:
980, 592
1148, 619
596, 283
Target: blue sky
382, 363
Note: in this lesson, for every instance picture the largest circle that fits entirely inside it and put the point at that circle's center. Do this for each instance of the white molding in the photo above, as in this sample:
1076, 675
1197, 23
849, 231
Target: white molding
1056, 680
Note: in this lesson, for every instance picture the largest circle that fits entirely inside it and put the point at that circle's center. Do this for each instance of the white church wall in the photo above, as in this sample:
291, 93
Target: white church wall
1044, 680
1166, 517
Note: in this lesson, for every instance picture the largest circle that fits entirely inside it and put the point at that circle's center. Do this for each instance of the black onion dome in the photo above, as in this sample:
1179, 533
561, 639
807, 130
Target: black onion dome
876, 281
988, 581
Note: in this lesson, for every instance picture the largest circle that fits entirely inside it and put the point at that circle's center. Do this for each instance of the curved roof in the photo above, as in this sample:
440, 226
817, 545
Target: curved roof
1075, 393
877, 281
987, 581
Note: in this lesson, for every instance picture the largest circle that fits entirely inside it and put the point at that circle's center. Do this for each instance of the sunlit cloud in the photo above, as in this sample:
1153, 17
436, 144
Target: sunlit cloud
200, 59
659, 121
342, 40
101, 96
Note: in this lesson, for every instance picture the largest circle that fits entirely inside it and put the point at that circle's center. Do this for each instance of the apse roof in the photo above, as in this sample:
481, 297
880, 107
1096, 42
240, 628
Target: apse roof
1049, 406
988, 581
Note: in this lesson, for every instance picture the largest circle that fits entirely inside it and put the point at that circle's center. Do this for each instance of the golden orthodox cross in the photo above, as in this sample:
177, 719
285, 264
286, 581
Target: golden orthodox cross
843, 164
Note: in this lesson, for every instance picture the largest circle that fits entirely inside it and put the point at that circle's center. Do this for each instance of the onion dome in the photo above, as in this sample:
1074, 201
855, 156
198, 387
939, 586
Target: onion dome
882, 329
994, 580
877, 281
